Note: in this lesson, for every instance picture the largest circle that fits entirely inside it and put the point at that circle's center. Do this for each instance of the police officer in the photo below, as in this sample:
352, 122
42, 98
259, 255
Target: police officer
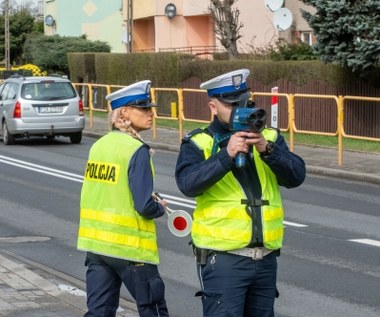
237, 230
117, 210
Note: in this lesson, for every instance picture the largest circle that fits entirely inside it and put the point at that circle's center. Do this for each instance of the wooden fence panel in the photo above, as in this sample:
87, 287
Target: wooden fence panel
361, 118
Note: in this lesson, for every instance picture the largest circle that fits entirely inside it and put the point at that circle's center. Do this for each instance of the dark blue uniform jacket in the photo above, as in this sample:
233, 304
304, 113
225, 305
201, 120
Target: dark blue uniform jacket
194, 174
141, 184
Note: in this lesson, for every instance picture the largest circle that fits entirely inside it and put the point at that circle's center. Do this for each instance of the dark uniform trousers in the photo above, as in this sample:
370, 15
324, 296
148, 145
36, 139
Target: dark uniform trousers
104, 278
238, 286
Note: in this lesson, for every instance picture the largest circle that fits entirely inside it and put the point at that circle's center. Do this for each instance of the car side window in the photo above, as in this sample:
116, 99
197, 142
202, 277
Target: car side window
12, 93
28, 91
1, 89
4, 92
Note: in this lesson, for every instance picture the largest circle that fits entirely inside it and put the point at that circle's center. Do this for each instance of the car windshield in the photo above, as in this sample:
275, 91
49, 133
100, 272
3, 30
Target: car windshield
48, 90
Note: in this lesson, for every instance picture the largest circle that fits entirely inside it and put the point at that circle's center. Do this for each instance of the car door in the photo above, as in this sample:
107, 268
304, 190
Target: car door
1, 102
8, 96
4, 104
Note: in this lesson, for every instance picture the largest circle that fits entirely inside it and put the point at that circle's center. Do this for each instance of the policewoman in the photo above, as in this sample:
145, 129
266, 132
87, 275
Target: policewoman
237, 229
117, 211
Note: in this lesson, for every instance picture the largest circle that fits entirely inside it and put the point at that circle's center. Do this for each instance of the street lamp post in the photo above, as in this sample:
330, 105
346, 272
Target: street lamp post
6, 35
130, 26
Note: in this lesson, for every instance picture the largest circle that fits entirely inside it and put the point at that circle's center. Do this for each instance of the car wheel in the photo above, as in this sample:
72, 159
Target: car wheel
76, 138
8, 139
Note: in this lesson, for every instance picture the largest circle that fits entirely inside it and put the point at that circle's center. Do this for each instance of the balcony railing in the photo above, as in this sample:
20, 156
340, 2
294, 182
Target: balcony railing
196, 50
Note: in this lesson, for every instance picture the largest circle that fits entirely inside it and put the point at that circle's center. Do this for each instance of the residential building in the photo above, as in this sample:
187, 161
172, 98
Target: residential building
300, 30
171, 25
97, 19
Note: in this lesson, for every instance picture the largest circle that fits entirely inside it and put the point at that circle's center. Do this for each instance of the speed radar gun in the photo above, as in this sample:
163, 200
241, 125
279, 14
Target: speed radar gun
246, 117
231, 88
179, 221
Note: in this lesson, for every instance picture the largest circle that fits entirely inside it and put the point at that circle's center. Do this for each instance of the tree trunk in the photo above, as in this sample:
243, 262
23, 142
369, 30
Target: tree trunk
227, 25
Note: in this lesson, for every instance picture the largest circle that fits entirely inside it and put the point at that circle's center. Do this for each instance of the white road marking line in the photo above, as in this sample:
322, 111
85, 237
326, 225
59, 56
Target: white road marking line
178, 201
375, 243
295, 224
39, 170
72, 290
5, 159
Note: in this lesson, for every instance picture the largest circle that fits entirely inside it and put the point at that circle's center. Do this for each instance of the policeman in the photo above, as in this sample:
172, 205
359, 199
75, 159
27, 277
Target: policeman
237, 230
117, 211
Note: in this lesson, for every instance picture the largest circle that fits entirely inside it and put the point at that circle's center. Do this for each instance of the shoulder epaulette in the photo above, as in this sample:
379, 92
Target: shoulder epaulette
189, 135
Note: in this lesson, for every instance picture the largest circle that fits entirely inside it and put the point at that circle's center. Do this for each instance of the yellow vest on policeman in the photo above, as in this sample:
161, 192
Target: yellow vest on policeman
221, 221
109, 224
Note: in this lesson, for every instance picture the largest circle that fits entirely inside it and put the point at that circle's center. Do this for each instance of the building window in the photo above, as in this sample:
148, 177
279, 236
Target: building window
306, 37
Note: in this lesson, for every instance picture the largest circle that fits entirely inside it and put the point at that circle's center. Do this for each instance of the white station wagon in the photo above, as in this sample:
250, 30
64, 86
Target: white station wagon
40, 106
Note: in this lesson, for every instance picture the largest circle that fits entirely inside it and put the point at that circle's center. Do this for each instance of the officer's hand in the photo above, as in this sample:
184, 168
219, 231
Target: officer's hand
160, 200
164, 203
258, 140
237, 143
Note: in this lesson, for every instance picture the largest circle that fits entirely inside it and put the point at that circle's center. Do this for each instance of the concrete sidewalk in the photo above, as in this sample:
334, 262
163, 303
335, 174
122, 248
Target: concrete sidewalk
28, 289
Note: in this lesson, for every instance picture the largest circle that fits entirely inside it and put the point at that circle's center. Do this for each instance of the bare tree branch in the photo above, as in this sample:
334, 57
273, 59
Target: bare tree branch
227, 25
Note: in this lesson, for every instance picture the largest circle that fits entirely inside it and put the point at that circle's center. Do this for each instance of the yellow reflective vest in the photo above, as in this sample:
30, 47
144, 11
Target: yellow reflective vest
109, 225
221, 221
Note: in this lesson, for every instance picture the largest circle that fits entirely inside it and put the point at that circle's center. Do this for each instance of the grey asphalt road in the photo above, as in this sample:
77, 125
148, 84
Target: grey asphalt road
328, 266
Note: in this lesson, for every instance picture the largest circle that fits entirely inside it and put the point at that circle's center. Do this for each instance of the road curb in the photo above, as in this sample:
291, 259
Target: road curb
331, 172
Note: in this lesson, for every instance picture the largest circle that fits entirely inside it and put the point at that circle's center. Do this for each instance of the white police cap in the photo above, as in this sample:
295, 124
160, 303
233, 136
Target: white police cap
136, 95
230, 87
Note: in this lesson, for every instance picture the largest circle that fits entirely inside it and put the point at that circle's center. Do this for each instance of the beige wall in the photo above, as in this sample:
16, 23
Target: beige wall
200, 30
192, 27
144, 8
195, 7
170, 33
147, 8
258, 29
299, 23
144, 39
50, 9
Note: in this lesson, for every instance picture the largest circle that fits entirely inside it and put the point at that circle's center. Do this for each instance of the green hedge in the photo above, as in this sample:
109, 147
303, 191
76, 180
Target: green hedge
124, 69
170, 69
267, 72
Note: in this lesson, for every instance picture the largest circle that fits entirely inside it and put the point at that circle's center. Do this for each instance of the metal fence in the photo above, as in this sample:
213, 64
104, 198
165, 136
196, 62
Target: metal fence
298, 113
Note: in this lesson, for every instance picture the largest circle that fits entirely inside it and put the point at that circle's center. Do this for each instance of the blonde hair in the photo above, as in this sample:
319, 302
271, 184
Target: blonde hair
117, 122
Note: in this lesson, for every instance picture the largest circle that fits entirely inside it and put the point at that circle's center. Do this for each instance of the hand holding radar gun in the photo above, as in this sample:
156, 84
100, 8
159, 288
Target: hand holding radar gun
246, 117
179, 221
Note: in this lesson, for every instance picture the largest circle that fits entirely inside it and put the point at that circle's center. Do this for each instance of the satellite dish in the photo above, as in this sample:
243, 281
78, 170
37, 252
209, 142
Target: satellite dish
283, 19
274, 5
49, 20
